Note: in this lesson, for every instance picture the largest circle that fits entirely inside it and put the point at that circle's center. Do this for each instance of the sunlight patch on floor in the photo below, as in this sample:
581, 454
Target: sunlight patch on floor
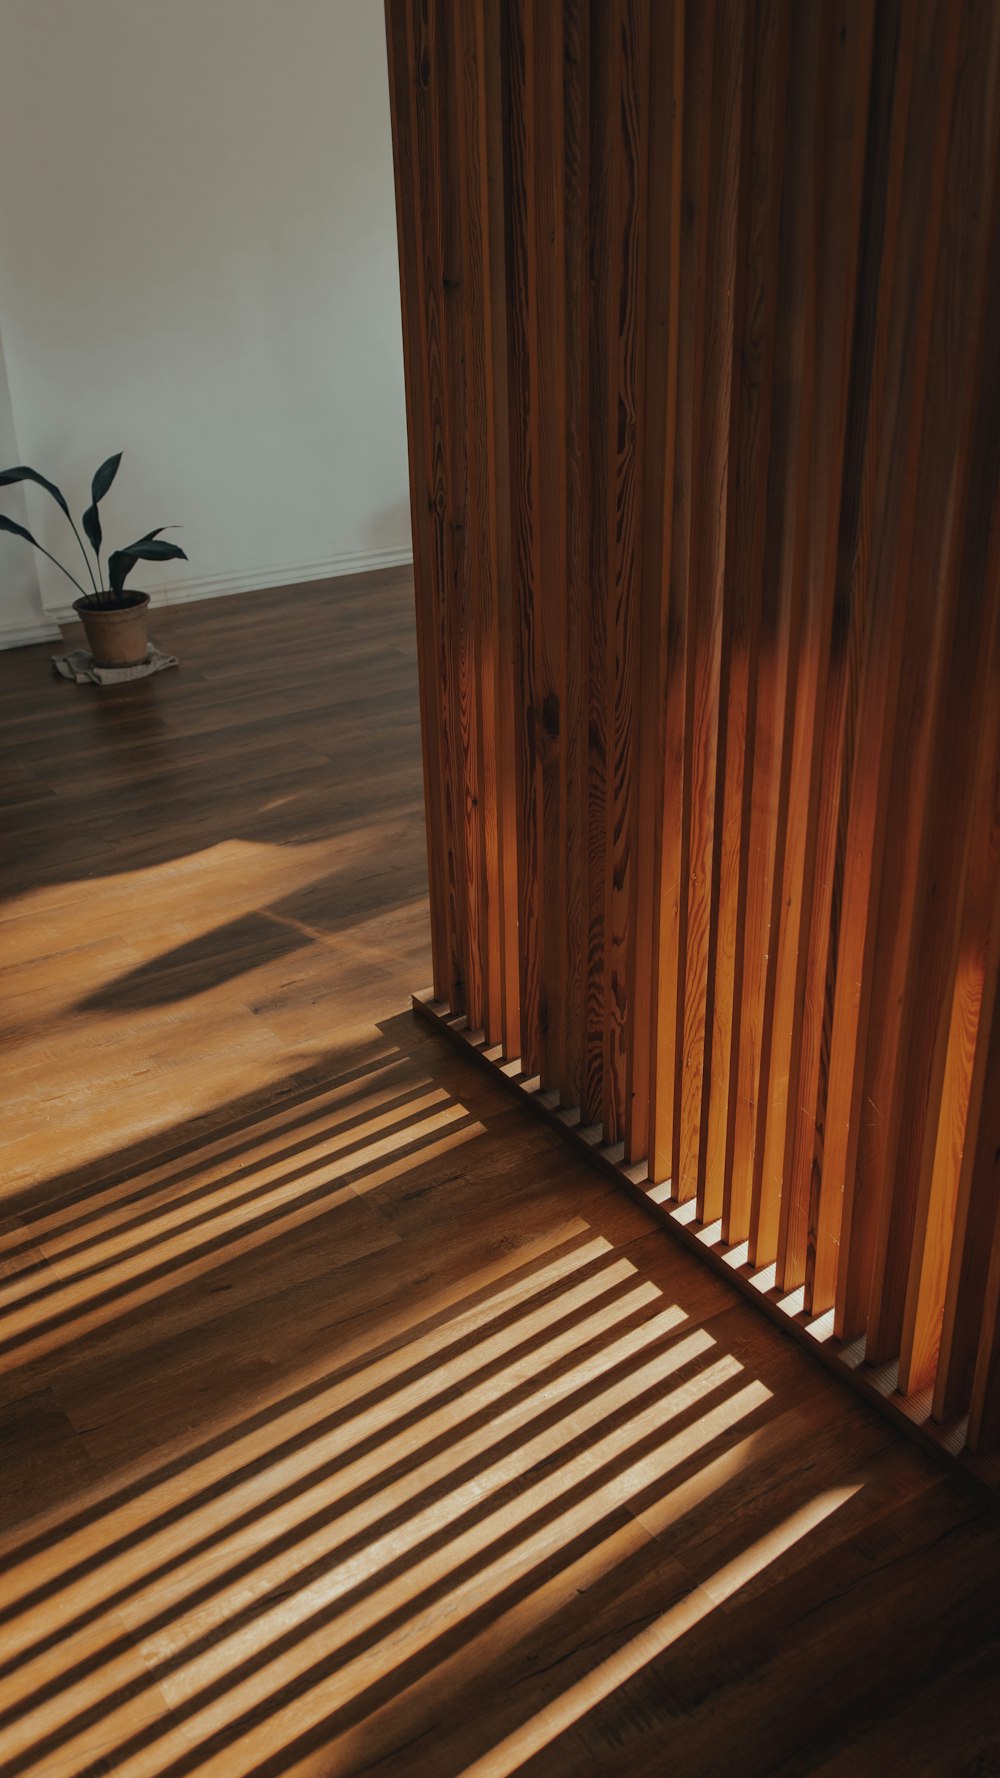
504, 1760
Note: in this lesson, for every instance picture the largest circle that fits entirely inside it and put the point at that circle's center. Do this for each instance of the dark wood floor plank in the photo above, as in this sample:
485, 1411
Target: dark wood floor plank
351, 1421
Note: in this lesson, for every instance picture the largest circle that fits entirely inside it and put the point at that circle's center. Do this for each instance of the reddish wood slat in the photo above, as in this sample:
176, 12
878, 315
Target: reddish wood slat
867, 680
762, 151
950, 584
419, 399
702, 356
708, 621
847, 51
647, 964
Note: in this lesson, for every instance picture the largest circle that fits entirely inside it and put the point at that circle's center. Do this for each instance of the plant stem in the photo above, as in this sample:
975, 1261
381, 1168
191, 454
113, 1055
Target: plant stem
86, 558
80, 589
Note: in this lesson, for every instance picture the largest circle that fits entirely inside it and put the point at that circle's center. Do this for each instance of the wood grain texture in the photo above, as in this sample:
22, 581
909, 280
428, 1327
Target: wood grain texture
748, 307
846, 50
628, 100
761, 171
808, 100
708, 622
863, 686
480, 283
650, 937
954, 578
976, 1320
348, 1420
420, 398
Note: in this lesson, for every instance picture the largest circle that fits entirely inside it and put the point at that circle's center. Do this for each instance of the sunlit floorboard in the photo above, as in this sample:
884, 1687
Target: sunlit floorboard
350, 1424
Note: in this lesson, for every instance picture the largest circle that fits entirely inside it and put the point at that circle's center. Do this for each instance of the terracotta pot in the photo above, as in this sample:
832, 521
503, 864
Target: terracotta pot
118, 636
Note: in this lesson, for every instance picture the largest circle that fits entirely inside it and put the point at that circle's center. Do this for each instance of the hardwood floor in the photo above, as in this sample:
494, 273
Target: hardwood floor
350, 1422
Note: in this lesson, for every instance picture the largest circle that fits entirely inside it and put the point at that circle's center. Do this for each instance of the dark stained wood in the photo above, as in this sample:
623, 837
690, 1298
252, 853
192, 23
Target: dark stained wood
599, 126
408, 217
624, 251
846, 50
667, 957
524, 522
843, 49
884, 542
546, 257
743, 1201
747, 302
649, 963
976, 1198
960, 909
574, 719
798, 365
975, 1320
708, 621
762, 149
480, 729
958, 581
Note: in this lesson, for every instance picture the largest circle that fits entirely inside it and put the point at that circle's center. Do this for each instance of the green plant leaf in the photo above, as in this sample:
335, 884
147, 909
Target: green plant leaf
98, 488
160, 551
16, 530
120, 564
104, 477
150, 548
148, 536
21, 474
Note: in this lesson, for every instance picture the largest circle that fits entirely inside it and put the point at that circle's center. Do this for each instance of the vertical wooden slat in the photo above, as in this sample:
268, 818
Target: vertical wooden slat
849, 639
626, 260
707, 627
490, 25
862, 1049
777, 957
822, 666
762, 168
947, 582
976, 1191
524, 507
977, 1198
984, 1410
479, 654
962, 1065
664, 98
603, 126
702, 358
792, 398
892, 76
881, 511
456, 449
573, 347
430, 99
417, 373
694, 51
547, 257
962, 883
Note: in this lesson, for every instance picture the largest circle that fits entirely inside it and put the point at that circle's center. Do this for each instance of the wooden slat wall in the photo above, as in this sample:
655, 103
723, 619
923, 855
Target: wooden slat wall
702, 348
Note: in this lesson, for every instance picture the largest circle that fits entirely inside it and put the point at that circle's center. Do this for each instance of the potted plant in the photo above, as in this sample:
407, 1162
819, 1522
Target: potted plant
115, 619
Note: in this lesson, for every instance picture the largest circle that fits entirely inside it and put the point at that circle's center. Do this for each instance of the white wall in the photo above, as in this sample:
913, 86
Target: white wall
21, 616
198, 267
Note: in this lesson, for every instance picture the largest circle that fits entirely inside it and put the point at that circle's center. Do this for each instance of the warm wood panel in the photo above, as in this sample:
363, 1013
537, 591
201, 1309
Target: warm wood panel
747, 297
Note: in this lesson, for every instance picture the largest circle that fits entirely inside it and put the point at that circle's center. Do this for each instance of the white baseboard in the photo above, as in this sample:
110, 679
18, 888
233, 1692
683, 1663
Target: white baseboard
252, 580
22, 635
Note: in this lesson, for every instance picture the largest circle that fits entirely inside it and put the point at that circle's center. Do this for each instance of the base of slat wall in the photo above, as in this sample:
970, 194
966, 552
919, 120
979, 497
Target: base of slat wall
846, 1359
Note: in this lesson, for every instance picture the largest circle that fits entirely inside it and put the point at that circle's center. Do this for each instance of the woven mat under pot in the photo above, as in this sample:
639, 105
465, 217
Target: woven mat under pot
79, 665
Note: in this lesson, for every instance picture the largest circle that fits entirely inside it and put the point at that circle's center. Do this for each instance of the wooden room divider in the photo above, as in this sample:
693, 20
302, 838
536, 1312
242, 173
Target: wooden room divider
701, 313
